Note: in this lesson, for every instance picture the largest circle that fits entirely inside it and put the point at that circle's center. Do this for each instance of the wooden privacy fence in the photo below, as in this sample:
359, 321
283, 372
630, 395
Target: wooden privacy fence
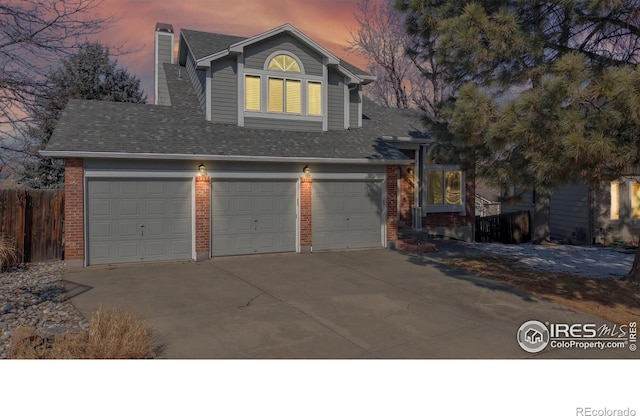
34, 219
508, 228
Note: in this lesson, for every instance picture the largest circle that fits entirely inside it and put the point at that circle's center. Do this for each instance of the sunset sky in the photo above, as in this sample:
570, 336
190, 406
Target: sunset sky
326, 21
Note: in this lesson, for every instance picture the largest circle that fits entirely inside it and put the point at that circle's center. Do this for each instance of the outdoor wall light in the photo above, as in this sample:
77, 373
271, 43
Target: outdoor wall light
203, 170
306, 171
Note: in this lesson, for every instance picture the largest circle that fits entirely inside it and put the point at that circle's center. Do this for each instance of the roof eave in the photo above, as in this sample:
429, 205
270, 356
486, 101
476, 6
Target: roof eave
61, 154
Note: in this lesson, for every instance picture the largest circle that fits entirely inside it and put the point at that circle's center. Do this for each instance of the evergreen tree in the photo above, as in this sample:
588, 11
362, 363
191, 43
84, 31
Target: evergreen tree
524, 71
89, 74
548, 91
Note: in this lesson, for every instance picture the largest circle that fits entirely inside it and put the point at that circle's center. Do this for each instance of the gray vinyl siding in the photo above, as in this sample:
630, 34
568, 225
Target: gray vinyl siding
163, 89
354, 108
224, 91
524, 204
335, 102
569, 219
256, 55
281, 124
198, 79
164, 56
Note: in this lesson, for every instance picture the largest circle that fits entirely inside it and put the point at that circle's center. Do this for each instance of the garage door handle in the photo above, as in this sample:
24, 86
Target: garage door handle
255, 225
142, 228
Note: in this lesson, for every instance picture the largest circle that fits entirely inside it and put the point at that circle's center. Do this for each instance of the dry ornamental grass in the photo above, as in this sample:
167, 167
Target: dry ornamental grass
9, 254
113, 334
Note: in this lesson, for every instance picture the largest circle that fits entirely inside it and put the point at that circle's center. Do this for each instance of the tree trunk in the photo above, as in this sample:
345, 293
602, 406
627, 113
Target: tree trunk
541, 215
634, 274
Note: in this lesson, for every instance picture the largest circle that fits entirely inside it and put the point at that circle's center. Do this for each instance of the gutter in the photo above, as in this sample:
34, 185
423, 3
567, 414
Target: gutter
230, 158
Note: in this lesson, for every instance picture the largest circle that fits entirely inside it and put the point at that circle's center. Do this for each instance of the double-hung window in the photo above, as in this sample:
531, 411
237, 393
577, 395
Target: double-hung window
285, 95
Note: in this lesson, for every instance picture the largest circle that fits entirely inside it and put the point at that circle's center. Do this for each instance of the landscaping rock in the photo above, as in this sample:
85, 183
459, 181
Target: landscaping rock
33, 296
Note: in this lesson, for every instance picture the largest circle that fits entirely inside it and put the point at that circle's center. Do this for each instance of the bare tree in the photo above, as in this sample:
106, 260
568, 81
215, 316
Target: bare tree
381, 38
34, 35
407, 73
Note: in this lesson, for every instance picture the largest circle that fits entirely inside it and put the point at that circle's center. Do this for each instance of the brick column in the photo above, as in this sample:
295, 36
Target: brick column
74, 213
203, 218
392, 205
306, 225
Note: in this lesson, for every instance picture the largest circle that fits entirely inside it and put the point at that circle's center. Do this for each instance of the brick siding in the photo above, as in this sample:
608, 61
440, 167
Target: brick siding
74, 212
203, 217
306, 225
392, 202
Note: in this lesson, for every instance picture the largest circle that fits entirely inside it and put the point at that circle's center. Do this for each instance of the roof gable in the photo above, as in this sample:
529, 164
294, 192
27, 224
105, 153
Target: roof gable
330, 58
206, 47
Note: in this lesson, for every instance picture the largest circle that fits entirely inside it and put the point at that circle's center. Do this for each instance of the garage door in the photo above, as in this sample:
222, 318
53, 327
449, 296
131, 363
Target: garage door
347, 214
139, 220
253, 217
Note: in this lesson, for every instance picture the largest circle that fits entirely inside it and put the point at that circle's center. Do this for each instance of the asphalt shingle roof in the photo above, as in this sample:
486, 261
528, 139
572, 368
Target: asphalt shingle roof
181, 129
204, 44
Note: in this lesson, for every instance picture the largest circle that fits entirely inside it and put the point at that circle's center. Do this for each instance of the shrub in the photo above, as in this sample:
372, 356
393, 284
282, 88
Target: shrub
9, 253
112, 334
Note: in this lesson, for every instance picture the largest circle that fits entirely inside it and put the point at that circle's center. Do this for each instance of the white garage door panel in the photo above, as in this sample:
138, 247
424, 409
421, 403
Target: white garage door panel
253, 217
347, 214
118, 208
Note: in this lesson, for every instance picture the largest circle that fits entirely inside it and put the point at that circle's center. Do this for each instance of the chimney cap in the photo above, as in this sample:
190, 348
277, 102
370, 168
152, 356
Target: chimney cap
164, 27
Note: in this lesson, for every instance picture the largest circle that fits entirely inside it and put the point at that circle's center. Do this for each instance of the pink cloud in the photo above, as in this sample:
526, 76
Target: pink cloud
325, 21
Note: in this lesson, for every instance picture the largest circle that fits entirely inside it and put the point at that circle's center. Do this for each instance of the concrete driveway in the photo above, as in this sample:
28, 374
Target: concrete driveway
351, 304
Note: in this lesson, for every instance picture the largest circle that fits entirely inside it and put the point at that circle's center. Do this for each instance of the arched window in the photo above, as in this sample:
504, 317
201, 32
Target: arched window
283, 63
288, 89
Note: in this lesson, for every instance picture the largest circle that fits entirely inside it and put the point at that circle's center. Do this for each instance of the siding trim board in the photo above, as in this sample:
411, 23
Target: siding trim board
325, 98
208, 94
241, 93
347, 108
230, 158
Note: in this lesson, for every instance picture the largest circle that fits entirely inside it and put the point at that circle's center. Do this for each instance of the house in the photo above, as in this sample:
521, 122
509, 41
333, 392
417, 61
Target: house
255, 145
579, 214
533, 336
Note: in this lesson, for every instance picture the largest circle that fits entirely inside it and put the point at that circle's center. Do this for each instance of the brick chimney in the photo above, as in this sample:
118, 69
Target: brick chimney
163, 54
